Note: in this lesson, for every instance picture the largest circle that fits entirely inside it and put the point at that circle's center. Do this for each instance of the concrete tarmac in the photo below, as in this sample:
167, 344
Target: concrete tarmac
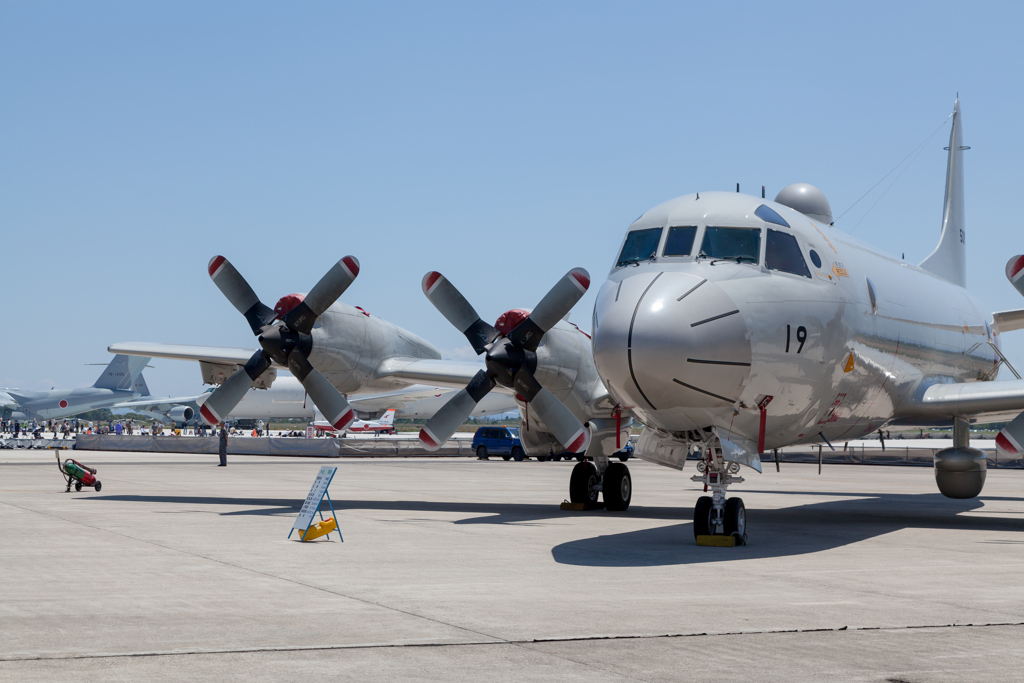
462, 570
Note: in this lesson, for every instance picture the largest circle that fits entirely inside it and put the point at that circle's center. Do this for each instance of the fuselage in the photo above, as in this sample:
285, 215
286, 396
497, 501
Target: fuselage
60, 403
841, 336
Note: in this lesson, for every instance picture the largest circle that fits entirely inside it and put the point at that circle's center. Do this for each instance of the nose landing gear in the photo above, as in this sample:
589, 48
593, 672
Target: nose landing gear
714, 515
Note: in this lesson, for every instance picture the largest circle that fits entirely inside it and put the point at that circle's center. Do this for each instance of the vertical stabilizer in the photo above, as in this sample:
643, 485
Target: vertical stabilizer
122, 372
949, 260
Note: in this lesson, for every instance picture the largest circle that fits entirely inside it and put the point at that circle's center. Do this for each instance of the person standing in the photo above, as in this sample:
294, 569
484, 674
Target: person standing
223, 445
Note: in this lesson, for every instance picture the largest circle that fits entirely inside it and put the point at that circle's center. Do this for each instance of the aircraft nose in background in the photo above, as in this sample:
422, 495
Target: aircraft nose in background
667, 340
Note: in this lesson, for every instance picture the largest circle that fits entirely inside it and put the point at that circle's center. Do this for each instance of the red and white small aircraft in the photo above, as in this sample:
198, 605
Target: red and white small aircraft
385, 425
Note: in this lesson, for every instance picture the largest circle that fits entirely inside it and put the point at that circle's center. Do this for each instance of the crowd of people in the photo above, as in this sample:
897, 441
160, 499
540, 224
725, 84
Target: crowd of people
63, 429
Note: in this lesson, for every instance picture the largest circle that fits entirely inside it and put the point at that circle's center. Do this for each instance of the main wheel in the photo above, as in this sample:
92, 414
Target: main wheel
702, 517
78, 486
583, 484
481, 452
517, 454
98, 485
735, 521
617, 488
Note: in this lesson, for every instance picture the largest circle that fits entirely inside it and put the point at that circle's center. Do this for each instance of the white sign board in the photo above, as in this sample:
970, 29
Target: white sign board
316, 494
310, 431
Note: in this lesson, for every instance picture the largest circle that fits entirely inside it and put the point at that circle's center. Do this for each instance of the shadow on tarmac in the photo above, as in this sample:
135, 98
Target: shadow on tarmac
797, 530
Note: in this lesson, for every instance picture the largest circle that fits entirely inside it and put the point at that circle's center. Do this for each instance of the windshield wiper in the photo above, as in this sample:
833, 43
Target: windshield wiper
636, 261
737, 259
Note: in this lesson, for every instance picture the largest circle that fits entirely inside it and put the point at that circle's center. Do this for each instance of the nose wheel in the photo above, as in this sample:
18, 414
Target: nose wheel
715, 515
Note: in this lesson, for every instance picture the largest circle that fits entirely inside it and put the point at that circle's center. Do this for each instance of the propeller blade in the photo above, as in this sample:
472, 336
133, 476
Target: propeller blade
326, 397
552, 308
440, 428
564, 426
224, 399
231, 283
324, 293
459, 312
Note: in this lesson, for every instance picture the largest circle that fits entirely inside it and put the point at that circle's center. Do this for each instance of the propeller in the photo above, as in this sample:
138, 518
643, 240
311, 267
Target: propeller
510, 358
286, 342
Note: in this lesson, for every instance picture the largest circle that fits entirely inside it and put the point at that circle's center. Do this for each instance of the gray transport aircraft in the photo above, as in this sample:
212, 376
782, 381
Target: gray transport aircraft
121, 380
731, 325
287, 399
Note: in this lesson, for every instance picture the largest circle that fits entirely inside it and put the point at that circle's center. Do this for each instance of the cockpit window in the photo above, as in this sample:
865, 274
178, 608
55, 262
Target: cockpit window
742, 245
641, 245
680, 241
769, 215
781, 252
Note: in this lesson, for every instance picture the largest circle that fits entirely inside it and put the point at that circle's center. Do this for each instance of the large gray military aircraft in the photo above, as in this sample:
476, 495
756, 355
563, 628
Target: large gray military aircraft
729, 325
732, 325
121, 380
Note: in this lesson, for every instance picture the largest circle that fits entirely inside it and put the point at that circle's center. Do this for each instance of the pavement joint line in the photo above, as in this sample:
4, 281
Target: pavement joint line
261, 573
491, 643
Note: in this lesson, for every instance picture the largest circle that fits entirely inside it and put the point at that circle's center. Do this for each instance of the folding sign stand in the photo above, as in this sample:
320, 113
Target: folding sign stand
308, 529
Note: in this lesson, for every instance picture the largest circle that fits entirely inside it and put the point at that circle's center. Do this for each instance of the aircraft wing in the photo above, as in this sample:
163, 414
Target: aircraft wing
986, 401
156, 402
220, 355
446, 373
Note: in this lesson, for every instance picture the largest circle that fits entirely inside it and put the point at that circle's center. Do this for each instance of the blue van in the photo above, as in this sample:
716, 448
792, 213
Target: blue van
503, 441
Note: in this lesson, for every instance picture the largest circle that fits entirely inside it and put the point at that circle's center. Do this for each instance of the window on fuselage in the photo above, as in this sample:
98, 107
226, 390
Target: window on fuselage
680, 241
742, 245
781, 252
641, 245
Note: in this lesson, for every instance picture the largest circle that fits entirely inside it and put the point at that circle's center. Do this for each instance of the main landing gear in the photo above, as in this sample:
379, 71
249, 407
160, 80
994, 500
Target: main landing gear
714, 515
615, 484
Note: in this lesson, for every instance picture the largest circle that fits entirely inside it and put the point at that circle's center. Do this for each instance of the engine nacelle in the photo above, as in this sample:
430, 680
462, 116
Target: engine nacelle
181, 413
960, 472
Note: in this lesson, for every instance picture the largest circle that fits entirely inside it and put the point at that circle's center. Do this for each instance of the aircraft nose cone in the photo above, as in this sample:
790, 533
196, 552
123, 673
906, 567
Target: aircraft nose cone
669, 341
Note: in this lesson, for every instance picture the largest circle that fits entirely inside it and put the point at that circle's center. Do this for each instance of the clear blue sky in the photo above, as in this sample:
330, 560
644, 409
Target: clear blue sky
500, 143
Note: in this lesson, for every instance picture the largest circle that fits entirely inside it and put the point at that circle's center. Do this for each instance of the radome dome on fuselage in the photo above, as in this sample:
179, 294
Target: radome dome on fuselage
841, 335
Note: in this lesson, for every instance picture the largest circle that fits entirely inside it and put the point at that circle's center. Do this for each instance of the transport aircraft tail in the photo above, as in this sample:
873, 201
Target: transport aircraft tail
389, 417
122, 373
949, 260
140, 387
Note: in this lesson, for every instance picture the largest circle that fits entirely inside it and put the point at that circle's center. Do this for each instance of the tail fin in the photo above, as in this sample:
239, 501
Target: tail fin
122, 373
140, 387
389, 417
949, 260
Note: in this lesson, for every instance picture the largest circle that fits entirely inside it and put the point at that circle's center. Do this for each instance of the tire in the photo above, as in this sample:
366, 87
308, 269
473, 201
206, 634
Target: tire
583, 483
518, 455
623, 458
98, 485
617, 488
481, 452
702, 517
506, 458
555, 458
735, 521
78, 486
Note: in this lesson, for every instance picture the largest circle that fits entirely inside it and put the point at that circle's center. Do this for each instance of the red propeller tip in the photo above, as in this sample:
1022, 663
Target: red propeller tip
577, 444
209, 415
429, 280
352, 263
428, 440
1014, 268
215, 263
345, 420
581, 277
1004, 444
